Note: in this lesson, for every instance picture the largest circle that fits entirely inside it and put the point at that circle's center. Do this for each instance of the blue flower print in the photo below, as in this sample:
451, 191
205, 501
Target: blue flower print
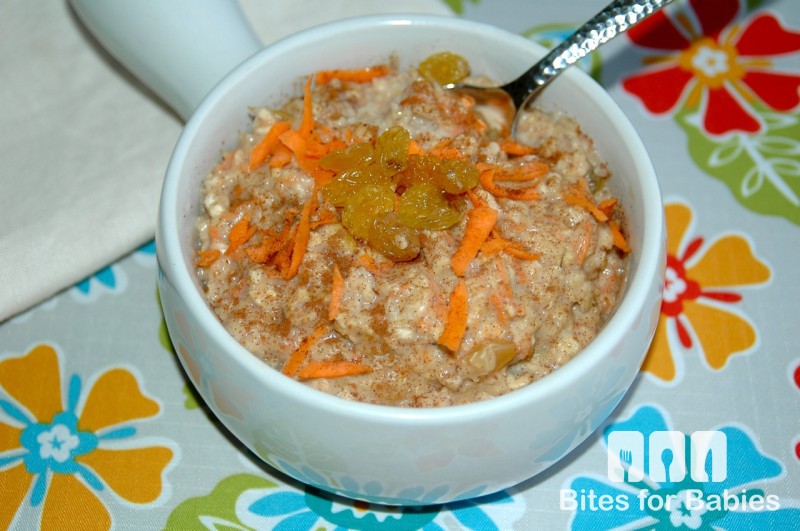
146, 254
734, 502
110, 279
148, 248
289, 509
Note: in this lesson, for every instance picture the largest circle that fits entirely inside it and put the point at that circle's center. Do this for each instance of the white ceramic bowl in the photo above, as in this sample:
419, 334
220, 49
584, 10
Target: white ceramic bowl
385, 454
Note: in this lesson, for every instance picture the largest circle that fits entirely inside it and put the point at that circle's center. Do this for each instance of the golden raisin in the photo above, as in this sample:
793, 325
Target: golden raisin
419, 169
358, 154
392, 149
393, 239
345, 184
368, 178
364, 206
444, 68
456, 176
491, 355
424, 206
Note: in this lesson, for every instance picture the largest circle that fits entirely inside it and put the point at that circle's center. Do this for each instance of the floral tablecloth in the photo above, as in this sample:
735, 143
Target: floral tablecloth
99, 427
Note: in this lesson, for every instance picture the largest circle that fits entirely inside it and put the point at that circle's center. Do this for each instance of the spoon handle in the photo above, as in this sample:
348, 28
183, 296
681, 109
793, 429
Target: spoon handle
615, 18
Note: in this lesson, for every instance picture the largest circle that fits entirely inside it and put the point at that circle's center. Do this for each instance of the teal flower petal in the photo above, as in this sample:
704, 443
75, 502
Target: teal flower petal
278, 504
473, 517
626, 510
148, 248
304, 520
745, 463
747, 521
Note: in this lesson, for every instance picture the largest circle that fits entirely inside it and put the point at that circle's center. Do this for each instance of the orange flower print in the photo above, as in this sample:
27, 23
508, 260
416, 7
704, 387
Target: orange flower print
700, 294
63, 450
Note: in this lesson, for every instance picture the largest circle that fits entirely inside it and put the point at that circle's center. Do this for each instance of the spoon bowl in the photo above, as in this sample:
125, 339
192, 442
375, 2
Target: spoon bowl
614, 19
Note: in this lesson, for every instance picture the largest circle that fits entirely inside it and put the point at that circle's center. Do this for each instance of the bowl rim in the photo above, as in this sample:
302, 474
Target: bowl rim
639, 282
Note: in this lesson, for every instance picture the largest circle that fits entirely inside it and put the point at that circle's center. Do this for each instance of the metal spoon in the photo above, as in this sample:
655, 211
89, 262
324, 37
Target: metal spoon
615, 18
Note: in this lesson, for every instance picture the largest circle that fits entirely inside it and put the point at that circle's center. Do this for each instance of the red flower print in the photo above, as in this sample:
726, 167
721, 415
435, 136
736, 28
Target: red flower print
721, 67
796, 381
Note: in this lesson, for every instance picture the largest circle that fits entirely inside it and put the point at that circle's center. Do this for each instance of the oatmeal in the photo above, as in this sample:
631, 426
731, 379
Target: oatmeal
378, 241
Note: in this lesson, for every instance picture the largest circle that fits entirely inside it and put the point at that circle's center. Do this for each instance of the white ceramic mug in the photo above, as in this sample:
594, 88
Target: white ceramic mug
385, 454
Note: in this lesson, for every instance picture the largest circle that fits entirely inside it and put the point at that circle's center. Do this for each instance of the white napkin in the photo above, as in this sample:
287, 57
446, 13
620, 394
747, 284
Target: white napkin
83, 145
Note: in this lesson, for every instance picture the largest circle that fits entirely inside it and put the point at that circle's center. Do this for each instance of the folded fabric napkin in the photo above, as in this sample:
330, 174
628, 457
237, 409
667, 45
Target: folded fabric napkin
84, 145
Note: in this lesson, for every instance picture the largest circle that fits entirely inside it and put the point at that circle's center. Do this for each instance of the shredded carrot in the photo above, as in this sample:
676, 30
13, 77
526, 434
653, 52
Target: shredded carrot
307, 123
444, 149
525, 172
356, 75
480, 222
324, 219
295, 141
619, 239
475, 199
269, 246
585, 243
337, 286
456, 320
300, 354
329, 145
268, 144
505, 283
281, 157
332, 369
607, 206
414, 148
581, 197
369, 263
304, 144
299, 144
261, 253
497, 302
282, 258
495, 245
302, 236
487, 176
516, 252
239, 234
513, 147
213, 233
206, 258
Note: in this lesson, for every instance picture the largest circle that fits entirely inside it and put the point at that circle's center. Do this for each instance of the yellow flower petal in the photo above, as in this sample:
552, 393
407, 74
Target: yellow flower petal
134, 474
113, 399
70, 505
9, 438
658, 361
679, 217
14, 485
40, 365
721, 333
729, 262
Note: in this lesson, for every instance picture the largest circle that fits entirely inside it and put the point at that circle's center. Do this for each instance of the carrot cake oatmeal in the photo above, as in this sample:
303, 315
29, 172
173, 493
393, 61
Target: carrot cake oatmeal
375, 239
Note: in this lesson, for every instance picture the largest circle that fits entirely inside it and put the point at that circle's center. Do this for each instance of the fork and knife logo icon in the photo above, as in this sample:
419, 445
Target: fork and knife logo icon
668, 456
